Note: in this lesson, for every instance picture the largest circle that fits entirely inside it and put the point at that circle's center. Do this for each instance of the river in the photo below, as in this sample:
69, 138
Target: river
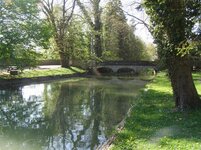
78, 113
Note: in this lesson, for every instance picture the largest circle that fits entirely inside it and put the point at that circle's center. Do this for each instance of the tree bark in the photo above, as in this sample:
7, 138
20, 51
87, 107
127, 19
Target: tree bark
98, 46
97, 29
185, 93
60, 26
63, 53
64, 59
98, 40
179, 66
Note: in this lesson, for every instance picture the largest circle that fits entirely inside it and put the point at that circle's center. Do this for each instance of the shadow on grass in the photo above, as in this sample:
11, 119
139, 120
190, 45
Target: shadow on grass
74, 70
153, 118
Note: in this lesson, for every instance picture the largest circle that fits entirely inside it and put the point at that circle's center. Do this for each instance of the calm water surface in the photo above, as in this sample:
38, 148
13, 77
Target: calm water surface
64, 115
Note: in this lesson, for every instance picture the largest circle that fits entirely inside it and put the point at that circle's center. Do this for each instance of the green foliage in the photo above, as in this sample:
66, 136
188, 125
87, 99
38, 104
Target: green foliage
150, 52
79, 44
20, 32
78, 39
118, 36
172, 28
58, 15
51, 53
92, 15
154, 125
195, 48
109, 55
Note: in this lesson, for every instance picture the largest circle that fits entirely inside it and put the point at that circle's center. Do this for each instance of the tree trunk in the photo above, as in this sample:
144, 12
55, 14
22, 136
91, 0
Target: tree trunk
97, 28
63, 54
98, 46
98, 41
179, 67
185, 93
64, 59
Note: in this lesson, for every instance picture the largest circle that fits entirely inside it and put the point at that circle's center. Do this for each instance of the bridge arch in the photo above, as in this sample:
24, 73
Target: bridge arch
127, 70
148, 71
105, 70
133, 68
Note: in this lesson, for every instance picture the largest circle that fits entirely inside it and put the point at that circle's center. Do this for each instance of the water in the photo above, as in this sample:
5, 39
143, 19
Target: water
64, 115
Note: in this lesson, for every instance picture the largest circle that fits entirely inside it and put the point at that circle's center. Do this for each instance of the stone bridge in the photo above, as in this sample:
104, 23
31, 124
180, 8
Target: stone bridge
134, 67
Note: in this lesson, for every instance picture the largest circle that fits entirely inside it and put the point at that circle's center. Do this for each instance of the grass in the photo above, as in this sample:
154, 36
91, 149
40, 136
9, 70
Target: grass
42, 73
153, 125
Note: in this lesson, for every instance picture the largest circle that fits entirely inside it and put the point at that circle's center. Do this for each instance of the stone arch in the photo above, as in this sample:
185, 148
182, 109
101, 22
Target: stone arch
127, 71
148, 71
104, 70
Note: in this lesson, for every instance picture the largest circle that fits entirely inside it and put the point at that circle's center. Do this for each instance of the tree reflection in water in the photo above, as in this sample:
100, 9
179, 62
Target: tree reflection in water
63, 115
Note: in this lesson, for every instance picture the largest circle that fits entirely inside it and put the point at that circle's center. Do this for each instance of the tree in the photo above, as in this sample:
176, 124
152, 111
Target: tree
78, 41
95, 24
119, 37
150, 53
59, 16
21, 32
113, 28
172, 23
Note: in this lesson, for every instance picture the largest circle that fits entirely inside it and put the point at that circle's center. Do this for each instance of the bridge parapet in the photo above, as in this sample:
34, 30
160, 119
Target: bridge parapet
139, 63
131, 67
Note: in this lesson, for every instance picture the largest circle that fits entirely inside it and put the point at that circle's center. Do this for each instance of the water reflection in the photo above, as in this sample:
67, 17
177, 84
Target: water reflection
63, 115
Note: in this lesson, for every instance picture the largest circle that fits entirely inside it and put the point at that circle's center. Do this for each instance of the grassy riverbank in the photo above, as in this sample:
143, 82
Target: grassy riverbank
154, 125
41, 73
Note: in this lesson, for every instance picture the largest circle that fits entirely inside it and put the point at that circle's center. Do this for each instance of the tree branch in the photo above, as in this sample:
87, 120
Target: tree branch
71, 14
141, 21
86, 14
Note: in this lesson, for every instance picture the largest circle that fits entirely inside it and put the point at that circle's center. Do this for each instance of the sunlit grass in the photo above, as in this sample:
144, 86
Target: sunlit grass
42, 73
154, 125
197, 79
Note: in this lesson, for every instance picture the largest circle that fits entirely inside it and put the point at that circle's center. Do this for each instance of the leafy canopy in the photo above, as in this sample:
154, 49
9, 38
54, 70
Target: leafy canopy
172, 27
21, 32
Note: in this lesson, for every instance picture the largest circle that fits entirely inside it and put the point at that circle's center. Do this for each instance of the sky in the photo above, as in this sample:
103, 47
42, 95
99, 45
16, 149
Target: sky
141, 30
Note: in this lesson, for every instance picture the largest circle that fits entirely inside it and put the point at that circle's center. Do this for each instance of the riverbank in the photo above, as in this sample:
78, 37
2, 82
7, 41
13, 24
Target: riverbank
39, 75
154, 125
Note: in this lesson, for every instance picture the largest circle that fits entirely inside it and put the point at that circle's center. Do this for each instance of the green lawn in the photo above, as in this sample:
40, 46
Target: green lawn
42, 73
154, 125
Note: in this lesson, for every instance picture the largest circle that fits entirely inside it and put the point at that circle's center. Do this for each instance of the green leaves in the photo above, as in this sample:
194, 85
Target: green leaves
21, 32
173, 23
120, 42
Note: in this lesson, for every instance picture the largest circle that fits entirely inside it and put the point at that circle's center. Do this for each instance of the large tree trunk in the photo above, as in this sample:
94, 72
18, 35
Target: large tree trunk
64, 59
63, 53
97, 29
185, 93
179, 66
98, 46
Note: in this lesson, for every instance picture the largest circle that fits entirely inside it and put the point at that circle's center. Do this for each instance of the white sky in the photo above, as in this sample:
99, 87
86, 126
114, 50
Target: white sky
141, 30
